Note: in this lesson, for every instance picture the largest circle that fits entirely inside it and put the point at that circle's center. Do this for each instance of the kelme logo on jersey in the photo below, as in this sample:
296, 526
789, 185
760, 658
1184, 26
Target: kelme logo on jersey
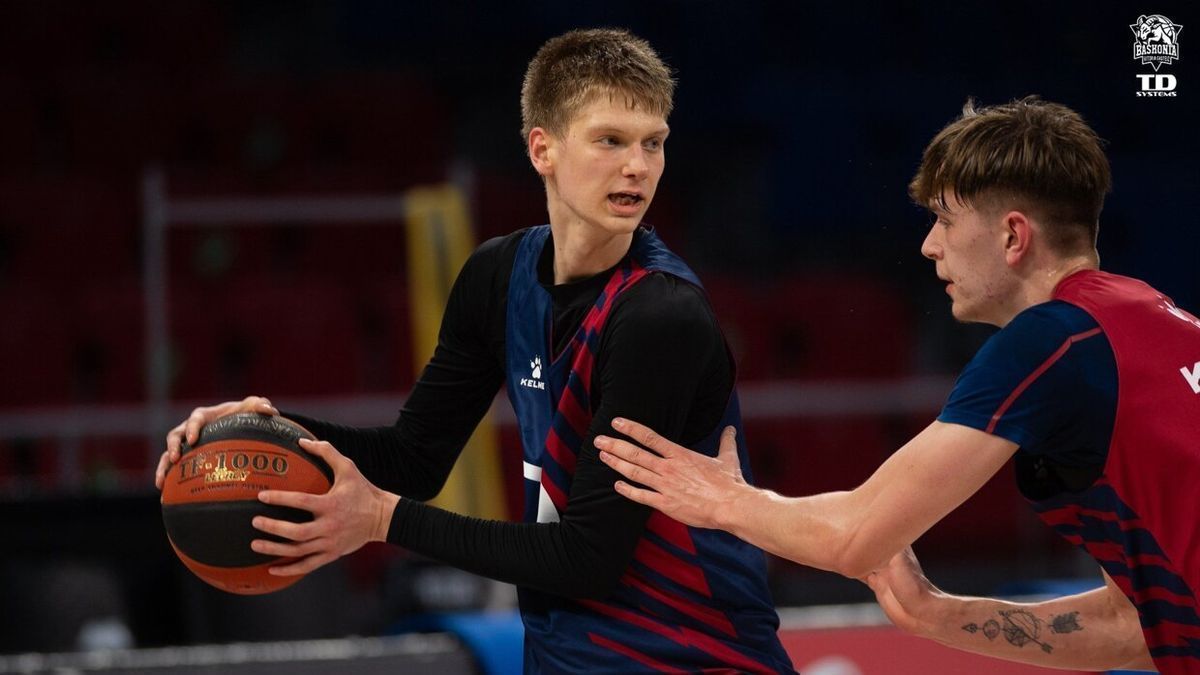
534, 381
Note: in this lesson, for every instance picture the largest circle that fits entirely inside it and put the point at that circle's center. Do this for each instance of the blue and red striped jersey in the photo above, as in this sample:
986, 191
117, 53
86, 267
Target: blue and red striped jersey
691, 599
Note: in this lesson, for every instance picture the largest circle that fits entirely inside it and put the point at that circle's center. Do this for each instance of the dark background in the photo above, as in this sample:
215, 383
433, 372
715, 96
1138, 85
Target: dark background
796, 130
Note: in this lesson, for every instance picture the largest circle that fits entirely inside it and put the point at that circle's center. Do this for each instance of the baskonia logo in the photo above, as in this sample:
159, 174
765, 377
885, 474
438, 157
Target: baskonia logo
1156, 40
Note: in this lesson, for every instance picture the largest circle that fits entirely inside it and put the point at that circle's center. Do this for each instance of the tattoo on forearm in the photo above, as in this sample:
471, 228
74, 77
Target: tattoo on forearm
1020, 627
1066, 623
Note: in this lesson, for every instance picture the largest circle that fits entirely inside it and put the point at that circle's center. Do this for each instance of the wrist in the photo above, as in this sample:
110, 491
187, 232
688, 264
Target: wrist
385, 507
937, 611
733, 513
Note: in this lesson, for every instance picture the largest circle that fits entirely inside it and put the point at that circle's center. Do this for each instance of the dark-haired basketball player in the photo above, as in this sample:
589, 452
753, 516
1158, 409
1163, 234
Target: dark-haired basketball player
579, 318
1092, 385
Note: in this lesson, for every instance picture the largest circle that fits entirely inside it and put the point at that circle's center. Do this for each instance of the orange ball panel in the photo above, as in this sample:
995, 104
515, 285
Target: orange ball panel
254, 580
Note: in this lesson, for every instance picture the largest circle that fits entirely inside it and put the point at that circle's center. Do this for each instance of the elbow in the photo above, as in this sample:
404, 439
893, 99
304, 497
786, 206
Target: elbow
857, 556
598, 584
424, 494
853, 567
422, 487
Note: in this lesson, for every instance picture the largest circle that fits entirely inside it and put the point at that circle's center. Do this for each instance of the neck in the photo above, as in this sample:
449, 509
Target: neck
579, 254
1039, 285
1069, 266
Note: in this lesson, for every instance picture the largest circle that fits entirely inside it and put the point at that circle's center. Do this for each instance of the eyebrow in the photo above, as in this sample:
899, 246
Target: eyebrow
609, 129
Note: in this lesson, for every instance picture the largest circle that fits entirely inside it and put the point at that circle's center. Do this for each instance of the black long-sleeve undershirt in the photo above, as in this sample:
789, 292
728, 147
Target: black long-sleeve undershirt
661, 360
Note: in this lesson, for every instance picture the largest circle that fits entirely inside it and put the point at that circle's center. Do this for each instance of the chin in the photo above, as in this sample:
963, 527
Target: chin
617, 225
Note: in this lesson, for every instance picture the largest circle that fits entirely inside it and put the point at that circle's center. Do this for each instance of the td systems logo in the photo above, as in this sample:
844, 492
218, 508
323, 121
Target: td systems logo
1156, 44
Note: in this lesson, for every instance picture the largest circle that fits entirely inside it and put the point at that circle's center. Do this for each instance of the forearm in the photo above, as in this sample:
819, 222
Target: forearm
856, 532
818, 531
385, 459
1089, 631
555, 558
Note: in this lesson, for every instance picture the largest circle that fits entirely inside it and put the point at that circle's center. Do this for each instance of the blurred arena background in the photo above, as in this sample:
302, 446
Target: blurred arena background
203, 200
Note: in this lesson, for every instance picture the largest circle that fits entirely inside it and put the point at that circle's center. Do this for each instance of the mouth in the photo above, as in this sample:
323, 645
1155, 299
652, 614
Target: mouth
626, 201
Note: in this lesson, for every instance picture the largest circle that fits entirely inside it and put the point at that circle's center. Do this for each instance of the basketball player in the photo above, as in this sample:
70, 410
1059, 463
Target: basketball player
1017, 191
579, 318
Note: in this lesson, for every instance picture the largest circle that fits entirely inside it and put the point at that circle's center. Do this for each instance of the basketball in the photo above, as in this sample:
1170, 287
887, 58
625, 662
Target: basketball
210, 497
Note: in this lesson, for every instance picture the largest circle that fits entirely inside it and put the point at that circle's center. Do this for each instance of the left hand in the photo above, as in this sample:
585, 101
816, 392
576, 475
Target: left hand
352, 513
690, 487
909, 599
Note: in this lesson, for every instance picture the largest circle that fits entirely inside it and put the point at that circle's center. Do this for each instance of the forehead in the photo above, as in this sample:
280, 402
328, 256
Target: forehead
617, 110
949, 203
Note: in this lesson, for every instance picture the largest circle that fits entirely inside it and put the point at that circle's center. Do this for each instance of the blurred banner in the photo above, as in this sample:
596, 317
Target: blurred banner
879, 650
439, 241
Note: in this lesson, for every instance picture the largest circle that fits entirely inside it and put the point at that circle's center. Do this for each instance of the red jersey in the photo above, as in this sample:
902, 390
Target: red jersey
1139, 519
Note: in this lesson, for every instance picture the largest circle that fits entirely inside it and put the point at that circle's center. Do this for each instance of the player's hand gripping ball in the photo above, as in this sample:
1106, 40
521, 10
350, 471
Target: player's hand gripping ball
210, 496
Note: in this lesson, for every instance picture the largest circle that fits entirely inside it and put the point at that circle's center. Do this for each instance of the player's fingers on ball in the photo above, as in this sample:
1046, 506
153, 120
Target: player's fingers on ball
263, 405
296, 500
160, 472
296, 532
278, 548
302, 566
322, 449
192, 427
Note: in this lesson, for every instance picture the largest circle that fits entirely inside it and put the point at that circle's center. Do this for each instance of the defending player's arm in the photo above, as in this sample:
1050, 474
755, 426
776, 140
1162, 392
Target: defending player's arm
851, 532
1095, 630
1023, 389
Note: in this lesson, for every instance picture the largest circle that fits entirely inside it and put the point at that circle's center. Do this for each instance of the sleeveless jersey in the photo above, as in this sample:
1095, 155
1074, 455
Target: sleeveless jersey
692, 599
1139, 519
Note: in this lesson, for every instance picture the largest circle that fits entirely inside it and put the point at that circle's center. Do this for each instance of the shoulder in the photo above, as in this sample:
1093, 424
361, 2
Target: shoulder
1042, 332
496, 253
1049, 366
663, 301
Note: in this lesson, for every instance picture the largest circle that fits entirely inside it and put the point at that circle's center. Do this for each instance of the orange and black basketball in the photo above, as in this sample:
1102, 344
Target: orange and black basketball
210, 496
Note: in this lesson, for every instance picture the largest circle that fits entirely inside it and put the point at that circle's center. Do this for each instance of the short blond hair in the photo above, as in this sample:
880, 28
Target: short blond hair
572, 68
1030, 153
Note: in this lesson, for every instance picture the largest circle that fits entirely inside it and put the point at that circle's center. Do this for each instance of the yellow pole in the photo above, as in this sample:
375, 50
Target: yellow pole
439, 241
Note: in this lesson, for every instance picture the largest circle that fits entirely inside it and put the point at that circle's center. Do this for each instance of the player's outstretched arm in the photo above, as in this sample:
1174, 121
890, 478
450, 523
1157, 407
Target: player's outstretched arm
189, 429
1096, 630
351, 514
852, 532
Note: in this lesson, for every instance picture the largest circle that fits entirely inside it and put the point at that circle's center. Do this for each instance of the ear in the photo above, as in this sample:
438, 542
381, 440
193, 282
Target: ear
540, 145
1019, 232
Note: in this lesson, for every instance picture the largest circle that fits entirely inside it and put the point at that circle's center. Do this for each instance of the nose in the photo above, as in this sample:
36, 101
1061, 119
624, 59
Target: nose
932, 246
636, 166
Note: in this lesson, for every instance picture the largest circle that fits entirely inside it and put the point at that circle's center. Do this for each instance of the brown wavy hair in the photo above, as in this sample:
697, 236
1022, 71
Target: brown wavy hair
571, 69
1028, 154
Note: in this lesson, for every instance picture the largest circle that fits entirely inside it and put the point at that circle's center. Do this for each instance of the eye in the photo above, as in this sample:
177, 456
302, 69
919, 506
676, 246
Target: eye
610, 141
653, 144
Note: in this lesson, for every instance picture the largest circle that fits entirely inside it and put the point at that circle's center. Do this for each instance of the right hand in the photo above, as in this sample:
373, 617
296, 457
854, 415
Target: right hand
189, 429
690, 487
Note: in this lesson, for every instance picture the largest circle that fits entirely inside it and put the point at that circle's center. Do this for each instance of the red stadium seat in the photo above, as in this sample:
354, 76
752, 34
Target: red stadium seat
831, 326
